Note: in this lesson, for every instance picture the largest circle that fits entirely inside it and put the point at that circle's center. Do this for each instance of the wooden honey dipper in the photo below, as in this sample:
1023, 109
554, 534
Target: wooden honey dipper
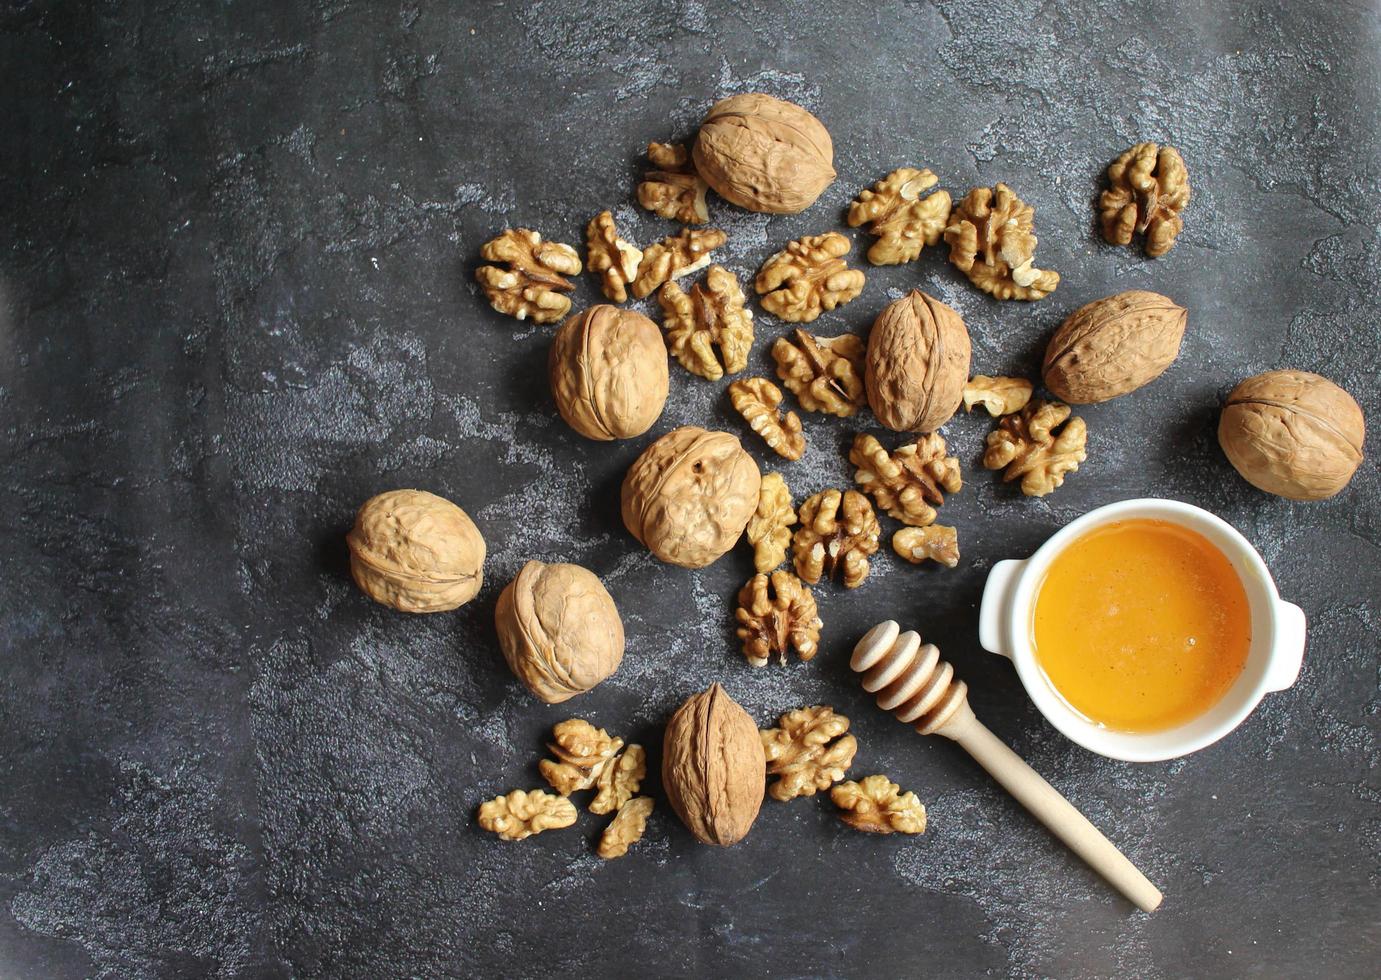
911, 681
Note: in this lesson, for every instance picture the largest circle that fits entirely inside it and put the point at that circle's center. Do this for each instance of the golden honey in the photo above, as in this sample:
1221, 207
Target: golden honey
1141, 625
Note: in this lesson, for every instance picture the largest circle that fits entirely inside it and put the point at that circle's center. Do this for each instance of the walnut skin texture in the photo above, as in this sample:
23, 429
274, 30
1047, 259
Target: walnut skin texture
903, 221
837, 534
532, 285
626, 829
673, 190
559, 630
909, 483
688, 497
674, 257
416, 552
807, 277
1148, 187
877, 805
808, 751
992, 242
917, 363
1292, 433
764, 154
824, 373
1027, 445
768, 529
711, 315
1000, 396
934, 543
757, 400
713, 767
1112, 346
520, 815
608, 373
775, 613
614, 259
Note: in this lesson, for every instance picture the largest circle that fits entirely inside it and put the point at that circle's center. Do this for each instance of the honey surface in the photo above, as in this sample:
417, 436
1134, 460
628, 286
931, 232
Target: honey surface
1141, 625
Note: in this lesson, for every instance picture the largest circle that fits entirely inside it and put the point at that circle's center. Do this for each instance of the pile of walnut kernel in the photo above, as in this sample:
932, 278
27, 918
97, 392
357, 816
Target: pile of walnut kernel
709, 329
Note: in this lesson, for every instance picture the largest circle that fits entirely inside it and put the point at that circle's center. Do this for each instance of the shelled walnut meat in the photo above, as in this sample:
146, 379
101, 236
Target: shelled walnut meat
582, 752
615, 260
932, 543
1113, 346
534, 284
992, 241
674, 257
837, 534
807, 277
673, 190
917, 363
903, 221
1148, 187
608, 372
758, 401
559, 630
1027, 444
416, 552
910, 482
618, 782
713, 315
809, 750
688, 497
764, 154
824, 373
769, 529
519, 815
713, 767
626, 829
1293, 433
999, 396
877, 805
775, 613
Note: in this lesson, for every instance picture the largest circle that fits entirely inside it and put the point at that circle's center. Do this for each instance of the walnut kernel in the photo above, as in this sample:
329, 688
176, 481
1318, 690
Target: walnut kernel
520, 815
809, 750
711, 315
906, 483
531, 286
771, 621
935, 543
757, 400
618, 780
626, 829
837, 534
1028, 446
676, 256
824, 373
614, 259
992, 242
903, 221
673, 190
1148, 187
877, 805
768, 529
1000, 396
808, 277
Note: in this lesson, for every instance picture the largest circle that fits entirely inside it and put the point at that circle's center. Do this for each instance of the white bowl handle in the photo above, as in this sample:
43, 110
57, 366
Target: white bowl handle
996, 608
1288, 654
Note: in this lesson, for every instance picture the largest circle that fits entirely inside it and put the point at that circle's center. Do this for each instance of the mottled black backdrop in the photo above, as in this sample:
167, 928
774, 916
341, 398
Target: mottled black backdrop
237, 298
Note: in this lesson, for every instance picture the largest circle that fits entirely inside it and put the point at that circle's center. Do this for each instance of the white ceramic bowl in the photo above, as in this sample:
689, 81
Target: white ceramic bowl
1273, 662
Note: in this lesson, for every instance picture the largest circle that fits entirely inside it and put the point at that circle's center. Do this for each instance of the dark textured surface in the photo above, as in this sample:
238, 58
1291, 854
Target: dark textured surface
237, 299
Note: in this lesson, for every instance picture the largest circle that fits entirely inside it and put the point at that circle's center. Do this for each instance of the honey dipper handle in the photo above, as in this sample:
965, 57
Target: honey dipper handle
1057, 813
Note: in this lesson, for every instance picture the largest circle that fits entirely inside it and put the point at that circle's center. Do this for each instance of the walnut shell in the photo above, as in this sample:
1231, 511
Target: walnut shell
1292, 433
918, 363
559, 630
416, 552
1112, 346
714, 770
690, 494
608, 370
764, 154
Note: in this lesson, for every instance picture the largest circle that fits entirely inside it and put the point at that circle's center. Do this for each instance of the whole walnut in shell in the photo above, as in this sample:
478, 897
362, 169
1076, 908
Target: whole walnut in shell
714, 770
1112, 346
918, 364
690, 494
608, 370
1292, 433
764, 154
559, 630
416, 552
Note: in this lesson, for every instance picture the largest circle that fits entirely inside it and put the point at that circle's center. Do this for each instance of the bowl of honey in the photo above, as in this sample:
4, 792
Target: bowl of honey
1144, 630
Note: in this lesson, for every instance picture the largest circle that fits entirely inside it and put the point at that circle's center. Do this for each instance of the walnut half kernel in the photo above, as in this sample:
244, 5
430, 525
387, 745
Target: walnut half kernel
769, 529
824, 373
614, 259
934, 542
999, 396
521, 815
758, 401
993, 242
775, 613
532, 285
807, 277
674, 257
903, 221
712, 315
909, 483
1027, 444
673, 190
626, 829
837, 535
809, 750
877, 805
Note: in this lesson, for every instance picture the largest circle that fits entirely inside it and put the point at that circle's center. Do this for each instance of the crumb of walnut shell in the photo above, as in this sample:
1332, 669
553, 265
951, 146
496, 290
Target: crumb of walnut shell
775, 613
582, 752
618, 781
903, 221
626, 829
824, 373
520, 815
934, 542
810, 750
1027, 444
673, 190
757, 400
768, 529
614, 259
711, 315
532, 285
808, 277
992, 241
1148, 188
877, 805
676, 256
837, 534
907, 482
1000, 396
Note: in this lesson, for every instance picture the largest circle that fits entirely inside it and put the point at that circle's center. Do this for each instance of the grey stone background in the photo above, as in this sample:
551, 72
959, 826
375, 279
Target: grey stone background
237, 299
